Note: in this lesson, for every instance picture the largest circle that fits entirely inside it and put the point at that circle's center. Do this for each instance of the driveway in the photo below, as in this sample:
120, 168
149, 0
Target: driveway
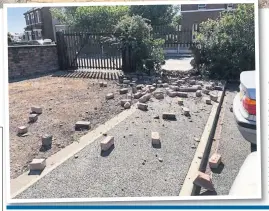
133, 168
231, 145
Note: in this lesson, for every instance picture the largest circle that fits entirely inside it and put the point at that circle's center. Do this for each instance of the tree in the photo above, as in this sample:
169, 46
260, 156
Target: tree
226, 47
9, 38
93, 18
157, 14
135, 38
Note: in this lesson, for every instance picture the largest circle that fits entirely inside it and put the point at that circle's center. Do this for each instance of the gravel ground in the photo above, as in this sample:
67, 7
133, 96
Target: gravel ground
81, 99
232, 146
133, 168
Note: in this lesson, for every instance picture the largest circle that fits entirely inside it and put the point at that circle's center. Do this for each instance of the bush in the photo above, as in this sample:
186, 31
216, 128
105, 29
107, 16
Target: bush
135, 38
226, 47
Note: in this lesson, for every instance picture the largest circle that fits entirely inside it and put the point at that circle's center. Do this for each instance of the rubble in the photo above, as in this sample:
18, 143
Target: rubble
127, 105
182, 94
158, 95
123, 91
198, 93
142, 106
180, 101
122, 102
109, 96
214, 97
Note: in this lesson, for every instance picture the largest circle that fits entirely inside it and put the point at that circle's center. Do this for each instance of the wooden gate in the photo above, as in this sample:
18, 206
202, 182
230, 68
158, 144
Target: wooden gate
87, 50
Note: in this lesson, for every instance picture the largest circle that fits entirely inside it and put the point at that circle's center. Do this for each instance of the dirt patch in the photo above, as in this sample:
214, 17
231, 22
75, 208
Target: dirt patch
64, 101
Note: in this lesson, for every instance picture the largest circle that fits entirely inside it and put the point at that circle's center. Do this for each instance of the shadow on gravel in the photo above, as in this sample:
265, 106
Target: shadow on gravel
35, 172
157, 146
44, 149
209, 193
219, 169
107, 153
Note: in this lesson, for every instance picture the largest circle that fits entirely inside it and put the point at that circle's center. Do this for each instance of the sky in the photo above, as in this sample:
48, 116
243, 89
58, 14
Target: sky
15, 19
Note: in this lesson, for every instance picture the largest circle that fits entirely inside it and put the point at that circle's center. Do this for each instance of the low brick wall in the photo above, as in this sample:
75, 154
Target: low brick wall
29, 60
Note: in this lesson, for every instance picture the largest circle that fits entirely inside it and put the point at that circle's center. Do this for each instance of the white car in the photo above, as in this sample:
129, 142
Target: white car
244, 107
247, 183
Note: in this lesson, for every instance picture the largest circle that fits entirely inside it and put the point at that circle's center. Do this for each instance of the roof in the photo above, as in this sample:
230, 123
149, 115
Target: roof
32, 9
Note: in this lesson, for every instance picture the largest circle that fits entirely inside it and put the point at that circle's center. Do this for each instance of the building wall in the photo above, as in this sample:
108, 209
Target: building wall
186, 7
48, 32
29, 60
190, 18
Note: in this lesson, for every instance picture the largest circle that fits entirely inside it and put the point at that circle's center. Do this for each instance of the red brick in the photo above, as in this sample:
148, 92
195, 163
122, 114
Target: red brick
215, 160
203, 180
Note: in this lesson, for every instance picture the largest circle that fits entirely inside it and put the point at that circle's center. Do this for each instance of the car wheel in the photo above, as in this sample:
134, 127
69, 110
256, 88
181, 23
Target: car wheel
253, 147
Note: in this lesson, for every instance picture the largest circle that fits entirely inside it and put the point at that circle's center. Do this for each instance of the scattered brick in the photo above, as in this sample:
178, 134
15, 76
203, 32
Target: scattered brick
46, 140
123, 91
140, 86
101, 84
142, 106
171, 93
208, 87
207, 101
105, 84
165, 85
174, 88
144, 98
33, 118
37, 165
36, 110
215, 160
107, 143
109, 96
192, 82
158, 95
205, 91
126, 81
186, 111
213, 97
188, 89
127, 105
122, 102
198, 93
203, 180
137, 95
169, 116
82, 125
182, 94
180, 101
22, 130
155, 137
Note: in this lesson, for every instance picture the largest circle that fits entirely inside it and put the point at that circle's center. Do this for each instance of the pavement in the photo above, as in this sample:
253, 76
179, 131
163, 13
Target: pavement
178, 64
232, 146
133, 168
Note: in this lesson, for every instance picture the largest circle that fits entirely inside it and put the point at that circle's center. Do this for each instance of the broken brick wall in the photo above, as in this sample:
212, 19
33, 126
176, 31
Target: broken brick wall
29, 60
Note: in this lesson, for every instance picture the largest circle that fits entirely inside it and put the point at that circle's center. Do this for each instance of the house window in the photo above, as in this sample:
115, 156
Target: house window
201, 6
229, 6
26, 20
32, 18
38, 16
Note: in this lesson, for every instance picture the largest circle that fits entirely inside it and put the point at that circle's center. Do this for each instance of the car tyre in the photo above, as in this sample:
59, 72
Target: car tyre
253, 147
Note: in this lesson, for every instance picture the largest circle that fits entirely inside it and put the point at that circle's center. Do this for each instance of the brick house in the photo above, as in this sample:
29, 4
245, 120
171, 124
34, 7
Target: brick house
39, 24
194, 14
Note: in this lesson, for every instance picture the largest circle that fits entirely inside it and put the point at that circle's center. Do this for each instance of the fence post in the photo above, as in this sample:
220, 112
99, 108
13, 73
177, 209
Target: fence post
59, 51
